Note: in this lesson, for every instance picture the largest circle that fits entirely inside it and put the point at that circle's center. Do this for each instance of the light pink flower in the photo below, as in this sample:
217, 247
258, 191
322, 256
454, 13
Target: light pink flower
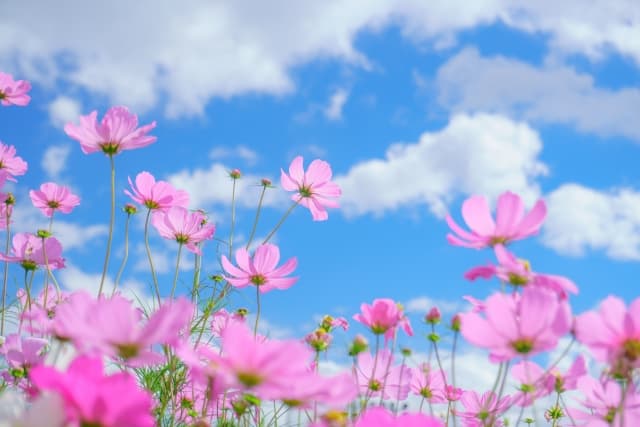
482, 410
518, 325
428, 383
381, 417
260, 270
28, 251
518, 273
53, 197
186, 228
118, 131
221, 318
531, 379
559, 382
93, 398
156, 194
603, 401
38, 314
314, 189
511, 223
383, 317
336, 392
612, 333
21, 354
376, 377
13, 92
10, 164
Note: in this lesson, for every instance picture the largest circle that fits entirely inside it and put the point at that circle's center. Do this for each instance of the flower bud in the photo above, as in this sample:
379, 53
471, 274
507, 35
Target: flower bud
433, 316
235, 174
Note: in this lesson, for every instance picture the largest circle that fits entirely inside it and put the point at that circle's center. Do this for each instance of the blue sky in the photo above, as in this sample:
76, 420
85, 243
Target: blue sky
416, 105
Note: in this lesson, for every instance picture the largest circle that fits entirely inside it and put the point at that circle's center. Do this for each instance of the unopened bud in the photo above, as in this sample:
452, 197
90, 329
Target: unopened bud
235, 174
433, 316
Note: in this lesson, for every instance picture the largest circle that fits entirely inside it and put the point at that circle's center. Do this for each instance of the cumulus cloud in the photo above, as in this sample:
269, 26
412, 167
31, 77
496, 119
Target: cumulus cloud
63, 110
581, 219
54, 160
475, 154
423, 304
552, 94
249, 156
333, 110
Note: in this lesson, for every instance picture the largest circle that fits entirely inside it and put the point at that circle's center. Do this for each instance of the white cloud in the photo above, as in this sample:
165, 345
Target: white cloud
478, 154
551, 94
333, 111
249, 156
63, 110
54, 160
581, 219
190, 53
423, 304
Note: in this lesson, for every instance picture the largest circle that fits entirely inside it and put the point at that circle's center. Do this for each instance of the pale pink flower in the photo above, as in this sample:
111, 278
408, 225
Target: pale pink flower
53, 197
21, 354
531, 379
383, 317
10, 164
314, 189
603, 401
221, 318
13, 92
518, 325
428, 383
29, 252
511, 223
482, 410
117, 132
260, 270
92, 398
186, 228
612, 333
518, 273
559, 382
38, 314
329, 322
376, 375
336, 391
156, 194
382, 417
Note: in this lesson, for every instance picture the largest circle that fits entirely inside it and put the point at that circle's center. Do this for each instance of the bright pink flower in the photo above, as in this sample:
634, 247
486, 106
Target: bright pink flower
13, 92
156, 194
29, 252
118, 131
376, 377
381, 417
482, 410
511, 223
186, 228
328, 323
603, 401
518, 325
428, 383
612, 333
518, 273
260, 270
21, 354
53, 197
314, 189
383, 317
93, 399
10, 164
531, 379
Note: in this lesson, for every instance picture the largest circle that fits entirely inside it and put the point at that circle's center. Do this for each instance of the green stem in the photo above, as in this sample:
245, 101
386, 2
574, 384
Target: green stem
126, 254
6, 271
255, 221
255, 328
197, 267
175, 275
233, 216
148, 249
111, 223
286, 214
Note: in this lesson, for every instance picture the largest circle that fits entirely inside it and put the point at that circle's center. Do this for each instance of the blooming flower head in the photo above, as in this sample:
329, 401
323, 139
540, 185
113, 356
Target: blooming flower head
382, 417
607, 404
428, 383
511, 223
518, 273
376, 375
518, 325
118, 131
20, 354
10, 164
29, 251
13, 92
561, 382
383, 316
53, 197
260, 270
314, 189
531, 379
482, 410
92, 398
156, 194
186, 228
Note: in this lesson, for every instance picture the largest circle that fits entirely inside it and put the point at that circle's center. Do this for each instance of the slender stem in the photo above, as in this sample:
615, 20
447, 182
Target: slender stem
233, 216
399, 385
175, 275
386, 370
369, 392
6, 270
197, 267
51, 222
255, 221
126, 254
111, 223
148, 249
453, 373
286, 214
255, 327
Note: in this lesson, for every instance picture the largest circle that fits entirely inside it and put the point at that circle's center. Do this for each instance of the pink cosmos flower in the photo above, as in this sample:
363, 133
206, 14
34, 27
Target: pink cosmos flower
186, 228
29, 252
336, 391
518, 325
13, 92
53, 197
561, 382
383, 316
603, 401
612, 333
11, 164
511, 223
378, 375
482, 410
532, 379
38, 314
260, 270
117, 132
221, 318
428, 383
21, 354
156, 194
93, 399
518, 273
381, 417
314, 189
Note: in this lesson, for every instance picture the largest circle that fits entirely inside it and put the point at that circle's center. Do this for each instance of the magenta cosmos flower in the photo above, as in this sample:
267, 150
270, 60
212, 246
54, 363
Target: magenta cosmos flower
383, 317
518, 274
376, 375
606, 404
260, 270
11, 164
381, 417
53, 197
154, 194
186, 228
511, 223
118, 131
314, 189
518, 325
13, 92
482, 410
30, 253
92, 398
